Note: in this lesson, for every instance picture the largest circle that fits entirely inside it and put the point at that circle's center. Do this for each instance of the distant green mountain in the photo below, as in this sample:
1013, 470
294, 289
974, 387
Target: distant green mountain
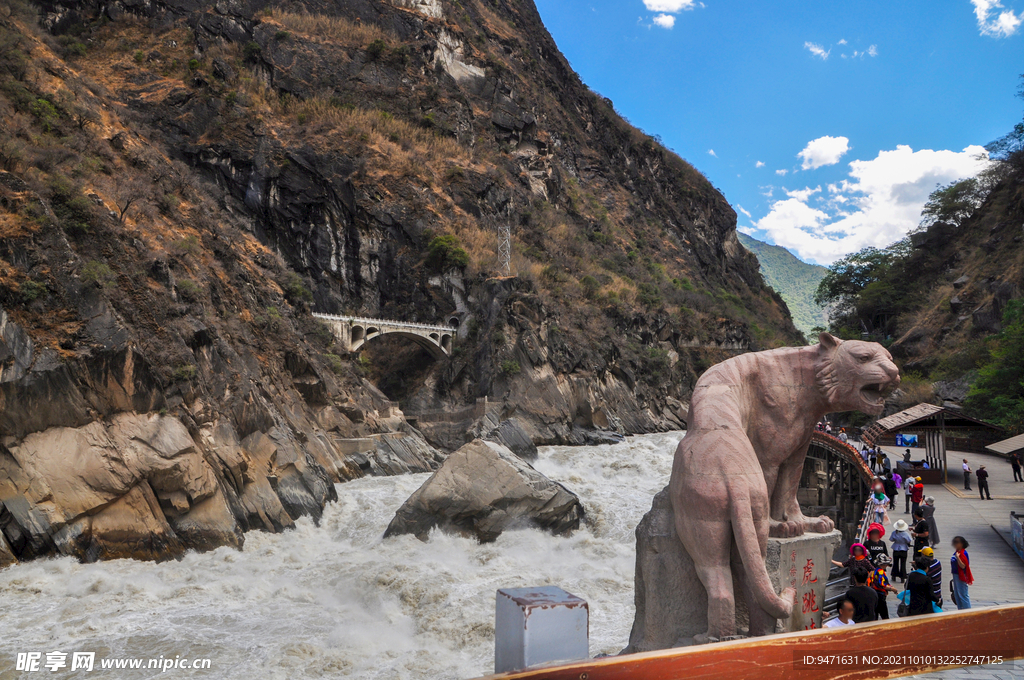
794, 280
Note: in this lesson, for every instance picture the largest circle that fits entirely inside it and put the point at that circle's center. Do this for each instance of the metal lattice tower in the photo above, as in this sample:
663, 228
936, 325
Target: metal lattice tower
505, 247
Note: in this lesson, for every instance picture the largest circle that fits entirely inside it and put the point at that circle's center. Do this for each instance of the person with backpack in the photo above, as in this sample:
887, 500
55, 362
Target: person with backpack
890, 489
879, 504
908, 492
960, 565
879, 582
919, 596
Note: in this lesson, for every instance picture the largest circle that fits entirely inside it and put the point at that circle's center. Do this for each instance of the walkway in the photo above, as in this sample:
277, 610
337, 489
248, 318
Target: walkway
998, 571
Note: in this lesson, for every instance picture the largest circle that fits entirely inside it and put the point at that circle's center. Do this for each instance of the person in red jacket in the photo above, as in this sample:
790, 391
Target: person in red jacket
916, 496
962, 576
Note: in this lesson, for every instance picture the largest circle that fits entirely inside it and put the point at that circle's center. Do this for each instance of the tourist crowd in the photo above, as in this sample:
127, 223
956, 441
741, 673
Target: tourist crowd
912, 562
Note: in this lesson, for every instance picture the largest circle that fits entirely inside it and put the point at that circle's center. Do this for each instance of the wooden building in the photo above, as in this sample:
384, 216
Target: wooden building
938, 428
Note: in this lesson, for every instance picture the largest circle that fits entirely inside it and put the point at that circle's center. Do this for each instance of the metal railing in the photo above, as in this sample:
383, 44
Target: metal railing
386, 322
830, 609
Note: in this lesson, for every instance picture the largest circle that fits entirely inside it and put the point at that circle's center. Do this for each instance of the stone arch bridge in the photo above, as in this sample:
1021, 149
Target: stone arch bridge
356, 331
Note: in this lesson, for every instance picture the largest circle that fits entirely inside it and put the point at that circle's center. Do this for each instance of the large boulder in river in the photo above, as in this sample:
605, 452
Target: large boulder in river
483, 489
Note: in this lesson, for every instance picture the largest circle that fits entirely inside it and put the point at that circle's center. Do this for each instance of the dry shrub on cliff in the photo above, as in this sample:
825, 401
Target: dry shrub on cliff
915, 389
333, 29
375, 128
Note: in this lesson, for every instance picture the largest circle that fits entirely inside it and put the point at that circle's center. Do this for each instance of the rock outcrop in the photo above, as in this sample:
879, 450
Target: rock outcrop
482, 490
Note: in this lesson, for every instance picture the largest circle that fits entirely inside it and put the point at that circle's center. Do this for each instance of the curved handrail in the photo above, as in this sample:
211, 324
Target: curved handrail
837, 445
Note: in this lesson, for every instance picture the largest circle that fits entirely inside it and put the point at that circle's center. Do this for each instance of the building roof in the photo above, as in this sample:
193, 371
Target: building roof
910, 415
1007, 446
925, 417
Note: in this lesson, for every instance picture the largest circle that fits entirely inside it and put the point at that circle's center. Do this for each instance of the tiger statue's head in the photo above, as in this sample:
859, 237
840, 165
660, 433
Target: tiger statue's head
854, 375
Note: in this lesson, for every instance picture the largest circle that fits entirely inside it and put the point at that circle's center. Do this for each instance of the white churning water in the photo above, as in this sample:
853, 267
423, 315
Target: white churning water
339, 601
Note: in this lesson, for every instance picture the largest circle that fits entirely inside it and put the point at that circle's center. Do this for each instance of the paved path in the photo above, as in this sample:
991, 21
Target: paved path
998, 571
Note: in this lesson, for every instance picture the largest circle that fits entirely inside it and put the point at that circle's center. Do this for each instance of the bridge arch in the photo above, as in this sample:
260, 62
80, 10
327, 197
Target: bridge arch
355, 332
437, 347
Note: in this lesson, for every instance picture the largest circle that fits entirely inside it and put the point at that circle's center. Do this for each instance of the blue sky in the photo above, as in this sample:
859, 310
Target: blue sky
883, 99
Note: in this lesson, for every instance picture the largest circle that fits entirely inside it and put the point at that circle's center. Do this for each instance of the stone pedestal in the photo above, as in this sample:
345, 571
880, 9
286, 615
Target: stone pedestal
671, 603
803, 563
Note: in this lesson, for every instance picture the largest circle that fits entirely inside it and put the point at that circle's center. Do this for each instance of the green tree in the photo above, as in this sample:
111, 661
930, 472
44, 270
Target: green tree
846, 278
445, 252
860, 287
998, 394
953, 203
1009, 148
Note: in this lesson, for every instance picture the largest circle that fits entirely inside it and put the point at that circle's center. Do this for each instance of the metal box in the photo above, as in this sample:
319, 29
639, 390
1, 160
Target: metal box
539, 625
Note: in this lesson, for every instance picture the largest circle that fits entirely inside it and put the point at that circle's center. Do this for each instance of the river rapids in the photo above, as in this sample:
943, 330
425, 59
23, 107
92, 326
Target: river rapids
337, 600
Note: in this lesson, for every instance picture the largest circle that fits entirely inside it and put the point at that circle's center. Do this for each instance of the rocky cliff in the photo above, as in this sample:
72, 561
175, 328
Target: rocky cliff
952, 289
184, 182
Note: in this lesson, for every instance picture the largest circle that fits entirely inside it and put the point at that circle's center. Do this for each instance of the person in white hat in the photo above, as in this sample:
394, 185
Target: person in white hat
901, 542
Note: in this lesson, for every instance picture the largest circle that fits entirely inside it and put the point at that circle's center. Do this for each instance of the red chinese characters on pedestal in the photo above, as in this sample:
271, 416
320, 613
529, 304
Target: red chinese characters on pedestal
809, 572
810, 602
792, 569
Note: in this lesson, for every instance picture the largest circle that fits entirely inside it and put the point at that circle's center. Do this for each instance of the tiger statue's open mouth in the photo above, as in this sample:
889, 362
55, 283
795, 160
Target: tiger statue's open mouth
875, 394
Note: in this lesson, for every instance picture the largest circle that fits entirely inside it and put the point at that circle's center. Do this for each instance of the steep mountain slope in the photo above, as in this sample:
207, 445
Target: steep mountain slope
795, 280
956, 283
185, 181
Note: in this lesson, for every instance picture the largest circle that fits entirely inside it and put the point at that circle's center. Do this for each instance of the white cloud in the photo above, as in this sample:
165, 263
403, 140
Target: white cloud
802, 194
671, 6
711, 152
665, 20
759, 164
744, 211
877, 205
993, 23
817, 50
843, 41
749, 231
873, 51
823, 151
781, 172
